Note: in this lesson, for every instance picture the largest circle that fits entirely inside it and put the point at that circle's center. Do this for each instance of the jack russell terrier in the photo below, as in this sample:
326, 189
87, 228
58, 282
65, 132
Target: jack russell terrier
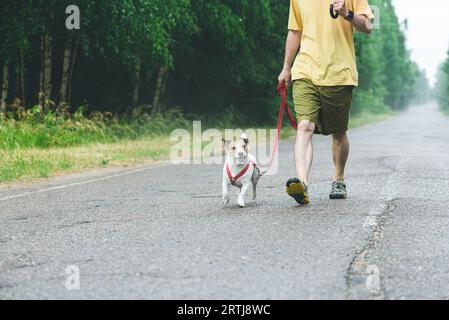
240, 170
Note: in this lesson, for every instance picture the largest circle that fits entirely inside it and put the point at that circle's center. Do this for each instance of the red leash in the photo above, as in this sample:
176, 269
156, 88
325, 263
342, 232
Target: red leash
282, 91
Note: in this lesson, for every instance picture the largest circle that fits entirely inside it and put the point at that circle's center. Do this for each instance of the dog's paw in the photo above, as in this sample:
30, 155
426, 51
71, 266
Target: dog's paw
241, 204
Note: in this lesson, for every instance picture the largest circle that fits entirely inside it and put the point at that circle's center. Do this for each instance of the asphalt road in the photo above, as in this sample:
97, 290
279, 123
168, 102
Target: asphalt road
161, 232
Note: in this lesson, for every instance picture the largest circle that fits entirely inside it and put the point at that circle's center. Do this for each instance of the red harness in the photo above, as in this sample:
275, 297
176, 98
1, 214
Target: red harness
240, 174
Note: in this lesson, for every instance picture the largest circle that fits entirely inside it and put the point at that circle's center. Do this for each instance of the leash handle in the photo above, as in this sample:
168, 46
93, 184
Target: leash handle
282, 91
334, 14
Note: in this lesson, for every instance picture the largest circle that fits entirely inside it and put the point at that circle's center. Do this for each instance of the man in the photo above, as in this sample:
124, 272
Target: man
323, 75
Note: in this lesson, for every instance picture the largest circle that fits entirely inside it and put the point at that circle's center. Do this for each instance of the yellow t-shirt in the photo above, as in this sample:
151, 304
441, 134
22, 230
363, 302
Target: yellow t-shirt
327, 54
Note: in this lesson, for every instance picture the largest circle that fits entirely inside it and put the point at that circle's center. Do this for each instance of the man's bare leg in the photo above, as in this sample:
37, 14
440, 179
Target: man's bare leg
304, 150
340, 150
297, 188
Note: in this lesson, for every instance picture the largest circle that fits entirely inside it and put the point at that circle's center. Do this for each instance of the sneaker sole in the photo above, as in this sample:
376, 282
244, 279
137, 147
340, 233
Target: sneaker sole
338, 197
297, 191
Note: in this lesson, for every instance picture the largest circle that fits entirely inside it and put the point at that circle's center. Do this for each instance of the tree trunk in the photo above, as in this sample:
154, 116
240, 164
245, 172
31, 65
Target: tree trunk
5, 87
136, 82
158, 91
21, 78
75, 47
40, 95
45, 72
65, 71
17, 93
48, 66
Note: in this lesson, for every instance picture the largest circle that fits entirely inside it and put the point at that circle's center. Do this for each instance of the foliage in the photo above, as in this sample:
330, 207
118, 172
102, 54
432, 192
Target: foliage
389, 79
25, 130
223, 56
442, 86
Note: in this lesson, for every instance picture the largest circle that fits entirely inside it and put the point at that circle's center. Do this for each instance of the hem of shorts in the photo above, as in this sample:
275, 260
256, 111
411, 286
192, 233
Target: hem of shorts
317, 130
331, 133
300, 118
328, 84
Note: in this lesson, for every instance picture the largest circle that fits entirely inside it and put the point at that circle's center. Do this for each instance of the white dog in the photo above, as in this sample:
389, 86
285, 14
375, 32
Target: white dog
240, 170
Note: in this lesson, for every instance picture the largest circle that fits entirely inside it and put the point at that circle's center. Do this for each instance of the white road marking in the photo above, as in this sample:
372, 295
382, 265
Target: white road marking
75, 184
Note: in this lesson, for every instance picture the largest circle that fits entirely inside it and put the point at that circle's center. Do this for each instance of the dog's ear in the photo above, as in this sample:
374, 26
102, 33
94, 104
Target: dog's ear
245, 138
226, 143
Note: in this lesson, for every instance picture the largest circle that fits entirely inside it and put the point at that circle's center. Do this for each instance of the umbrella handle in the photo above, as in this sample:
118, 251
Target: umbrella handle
334, 14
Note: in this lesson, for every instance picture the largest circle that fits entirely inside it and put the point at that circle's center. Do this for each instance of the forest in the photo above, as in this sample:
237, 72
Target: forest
135, 70
442, 85
207, 58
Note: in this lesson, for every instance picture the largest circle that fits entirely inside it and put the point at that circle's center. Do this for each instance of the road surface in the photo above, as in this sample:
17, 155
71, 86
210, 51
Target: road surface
161, 233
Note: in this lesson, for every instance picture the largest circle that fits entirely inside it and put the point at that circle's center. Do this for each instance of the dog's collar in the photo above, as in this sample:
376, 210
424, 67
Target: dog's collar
240, 174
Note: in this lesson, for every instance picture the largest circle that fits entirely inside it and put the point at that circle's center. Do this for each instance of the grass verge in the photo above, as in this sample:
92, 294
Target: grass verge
368, 118
30, 163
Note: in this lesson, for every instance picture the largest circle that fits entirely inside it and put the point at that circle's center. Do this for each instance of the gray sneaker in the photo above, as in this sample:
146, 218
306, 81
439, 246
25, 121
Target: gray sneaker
338, 191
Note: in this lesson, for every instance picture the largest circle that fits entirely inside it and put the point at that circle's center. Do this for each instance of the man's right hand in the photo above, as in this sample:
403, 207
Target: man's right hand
285, 76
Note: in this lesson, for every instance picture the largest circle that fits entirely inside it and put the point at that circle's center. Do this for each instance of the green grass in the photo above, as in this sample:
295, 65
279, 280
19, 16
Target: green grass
16, 167
37, 145
32, 129
31, 163
41, 146
445, 111
367, 118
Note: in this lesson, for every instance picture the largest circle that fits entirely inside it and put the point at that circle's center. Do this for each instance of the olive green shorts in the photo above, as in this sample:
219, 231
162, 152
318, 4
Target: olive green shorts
327, 107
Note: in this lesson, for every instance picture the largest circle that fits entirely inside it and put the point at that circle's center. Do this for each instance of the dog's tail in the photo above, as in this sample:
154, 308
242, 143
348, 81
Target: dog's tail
263, 172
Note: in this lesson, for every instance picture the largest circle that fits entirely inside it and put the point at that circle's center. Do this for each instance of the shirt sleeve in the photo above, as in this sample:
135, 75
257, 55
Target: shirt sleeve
294, 20
362, 7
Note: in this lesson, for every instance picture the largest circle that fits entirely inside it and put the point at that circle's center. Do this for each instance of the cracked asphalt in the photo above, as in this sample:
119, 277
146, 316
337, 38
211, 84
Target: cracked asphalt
161, 232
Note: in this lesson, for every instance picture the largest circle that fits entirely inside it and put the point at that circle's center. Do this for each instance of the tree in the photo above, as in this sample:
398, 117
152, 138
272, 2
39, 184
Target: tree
387, 73
17, 32
217, 59
231, 67
442, 85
